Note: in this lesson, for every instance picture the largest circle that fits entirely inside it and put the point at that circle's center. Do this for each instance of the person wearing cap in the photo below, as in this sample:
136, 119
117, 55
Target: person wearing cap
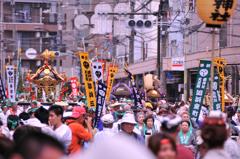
171, 125
62, 131
149, 105
214, 135
127, 126
13, 109
34, 104
79, 134
116, 110
107, 131
34, 121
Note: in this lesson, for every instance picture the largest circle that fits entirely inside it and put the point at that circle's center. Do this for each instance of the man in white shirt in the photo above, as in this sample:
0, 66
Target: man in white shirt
62, 131
13, 110
107, 131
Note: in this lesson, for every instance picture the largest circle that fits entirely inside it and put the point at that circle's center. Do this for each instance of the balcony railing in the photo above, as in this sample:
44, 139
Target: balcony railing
21, 18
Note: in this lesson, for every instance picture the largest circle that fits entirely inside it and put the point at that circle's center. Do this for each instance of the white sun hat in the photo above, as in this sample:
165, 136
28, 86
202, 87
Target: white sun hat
116, 104
107, 119
128, 118
62, 103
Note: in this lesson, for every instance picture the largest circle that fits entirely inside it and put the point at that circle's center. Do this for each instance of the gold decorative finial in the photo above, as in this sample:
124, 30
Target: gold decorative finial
48, 55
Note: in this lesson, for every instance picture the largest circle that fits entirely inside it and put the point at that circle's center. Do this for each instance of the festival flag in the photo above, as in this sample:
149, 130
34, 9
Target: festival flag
137, 97
97, 68
200, 89
112, 70
2, 90
220, 64
216, 92
74, 86
88, 79
101, 94
10, 82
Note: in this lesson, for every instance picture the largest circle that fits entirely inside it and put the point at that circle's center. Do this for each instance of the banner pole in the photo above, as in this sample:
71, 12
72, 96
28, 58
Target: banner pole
212, 69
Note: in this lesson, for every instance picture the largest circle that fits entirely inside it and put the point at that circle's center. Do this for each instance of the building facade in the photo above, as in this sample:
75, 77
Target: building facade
27, 24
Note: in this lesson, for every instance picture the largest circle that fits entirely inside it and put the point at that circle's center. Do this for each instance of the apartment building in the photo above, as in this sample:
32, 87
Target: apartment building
197, 45
27, 24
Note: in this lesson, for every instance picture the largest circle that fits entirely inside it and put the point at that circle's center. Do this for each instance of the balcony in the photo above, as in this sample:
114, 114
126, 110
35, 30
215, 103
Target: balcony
32, 1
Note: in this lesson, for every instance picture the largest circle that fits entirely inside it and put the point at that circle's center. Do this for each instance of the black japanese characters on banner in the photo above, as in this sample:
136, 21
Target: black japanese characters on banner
2, 90
137, 97
88, 79
101, 94
11, 82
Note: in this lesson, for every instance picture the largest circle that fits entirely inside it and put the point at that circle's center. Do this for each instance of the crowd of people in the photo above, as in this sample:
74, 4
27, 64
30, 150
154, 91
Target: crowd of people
155, 130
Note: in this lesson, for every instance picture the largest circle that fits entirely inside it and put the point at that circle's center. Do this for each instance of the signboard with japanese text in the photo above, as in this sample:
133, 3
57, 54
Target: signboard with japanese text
216, 92
10, 82
112, 70
2, 90
220, 63
97, 68
200, 89
101, 94
177, 64
88, 79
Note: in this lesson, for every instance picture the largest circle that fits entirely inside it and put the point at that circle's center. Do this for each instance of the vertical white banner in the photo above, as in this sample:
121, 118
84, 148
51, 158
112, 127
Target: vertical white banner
10, 82
97, 71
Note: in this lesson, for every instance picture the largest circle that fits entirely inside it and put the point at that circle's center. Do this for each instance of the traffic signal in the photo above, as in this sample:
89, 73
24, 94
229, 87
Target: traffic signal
139, 23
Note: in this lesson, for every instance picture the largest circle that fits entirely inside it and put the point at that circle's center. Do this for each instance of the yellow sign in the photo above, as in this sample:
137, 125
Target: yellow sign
112, 70
220, 63
88, 79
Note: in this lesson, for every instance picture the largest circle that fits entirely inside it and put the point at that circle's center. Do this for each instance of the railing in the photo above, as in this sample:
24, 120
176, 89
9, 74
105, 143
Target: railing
21, 18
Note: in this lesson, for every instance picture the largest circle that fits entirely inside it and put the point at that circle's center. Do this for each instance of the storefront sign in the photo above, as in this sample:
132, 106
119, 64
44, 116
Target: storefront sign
101, 94
2, 90
88, 79
112, 71
200, 89
216, 92
31, 53
10, 82
178, 64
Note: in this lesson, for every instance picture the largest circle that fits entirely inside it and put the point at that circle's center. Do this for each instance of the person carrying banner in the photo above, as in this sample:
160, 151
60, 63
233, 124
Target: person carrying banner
107, 131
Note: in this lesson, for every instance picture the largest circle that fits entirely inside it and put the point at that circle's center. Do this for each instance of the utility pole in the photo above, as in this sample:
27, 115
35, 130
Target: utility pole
131, 43
162, 41
159, 37
59, 33
1, 43
14, 32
